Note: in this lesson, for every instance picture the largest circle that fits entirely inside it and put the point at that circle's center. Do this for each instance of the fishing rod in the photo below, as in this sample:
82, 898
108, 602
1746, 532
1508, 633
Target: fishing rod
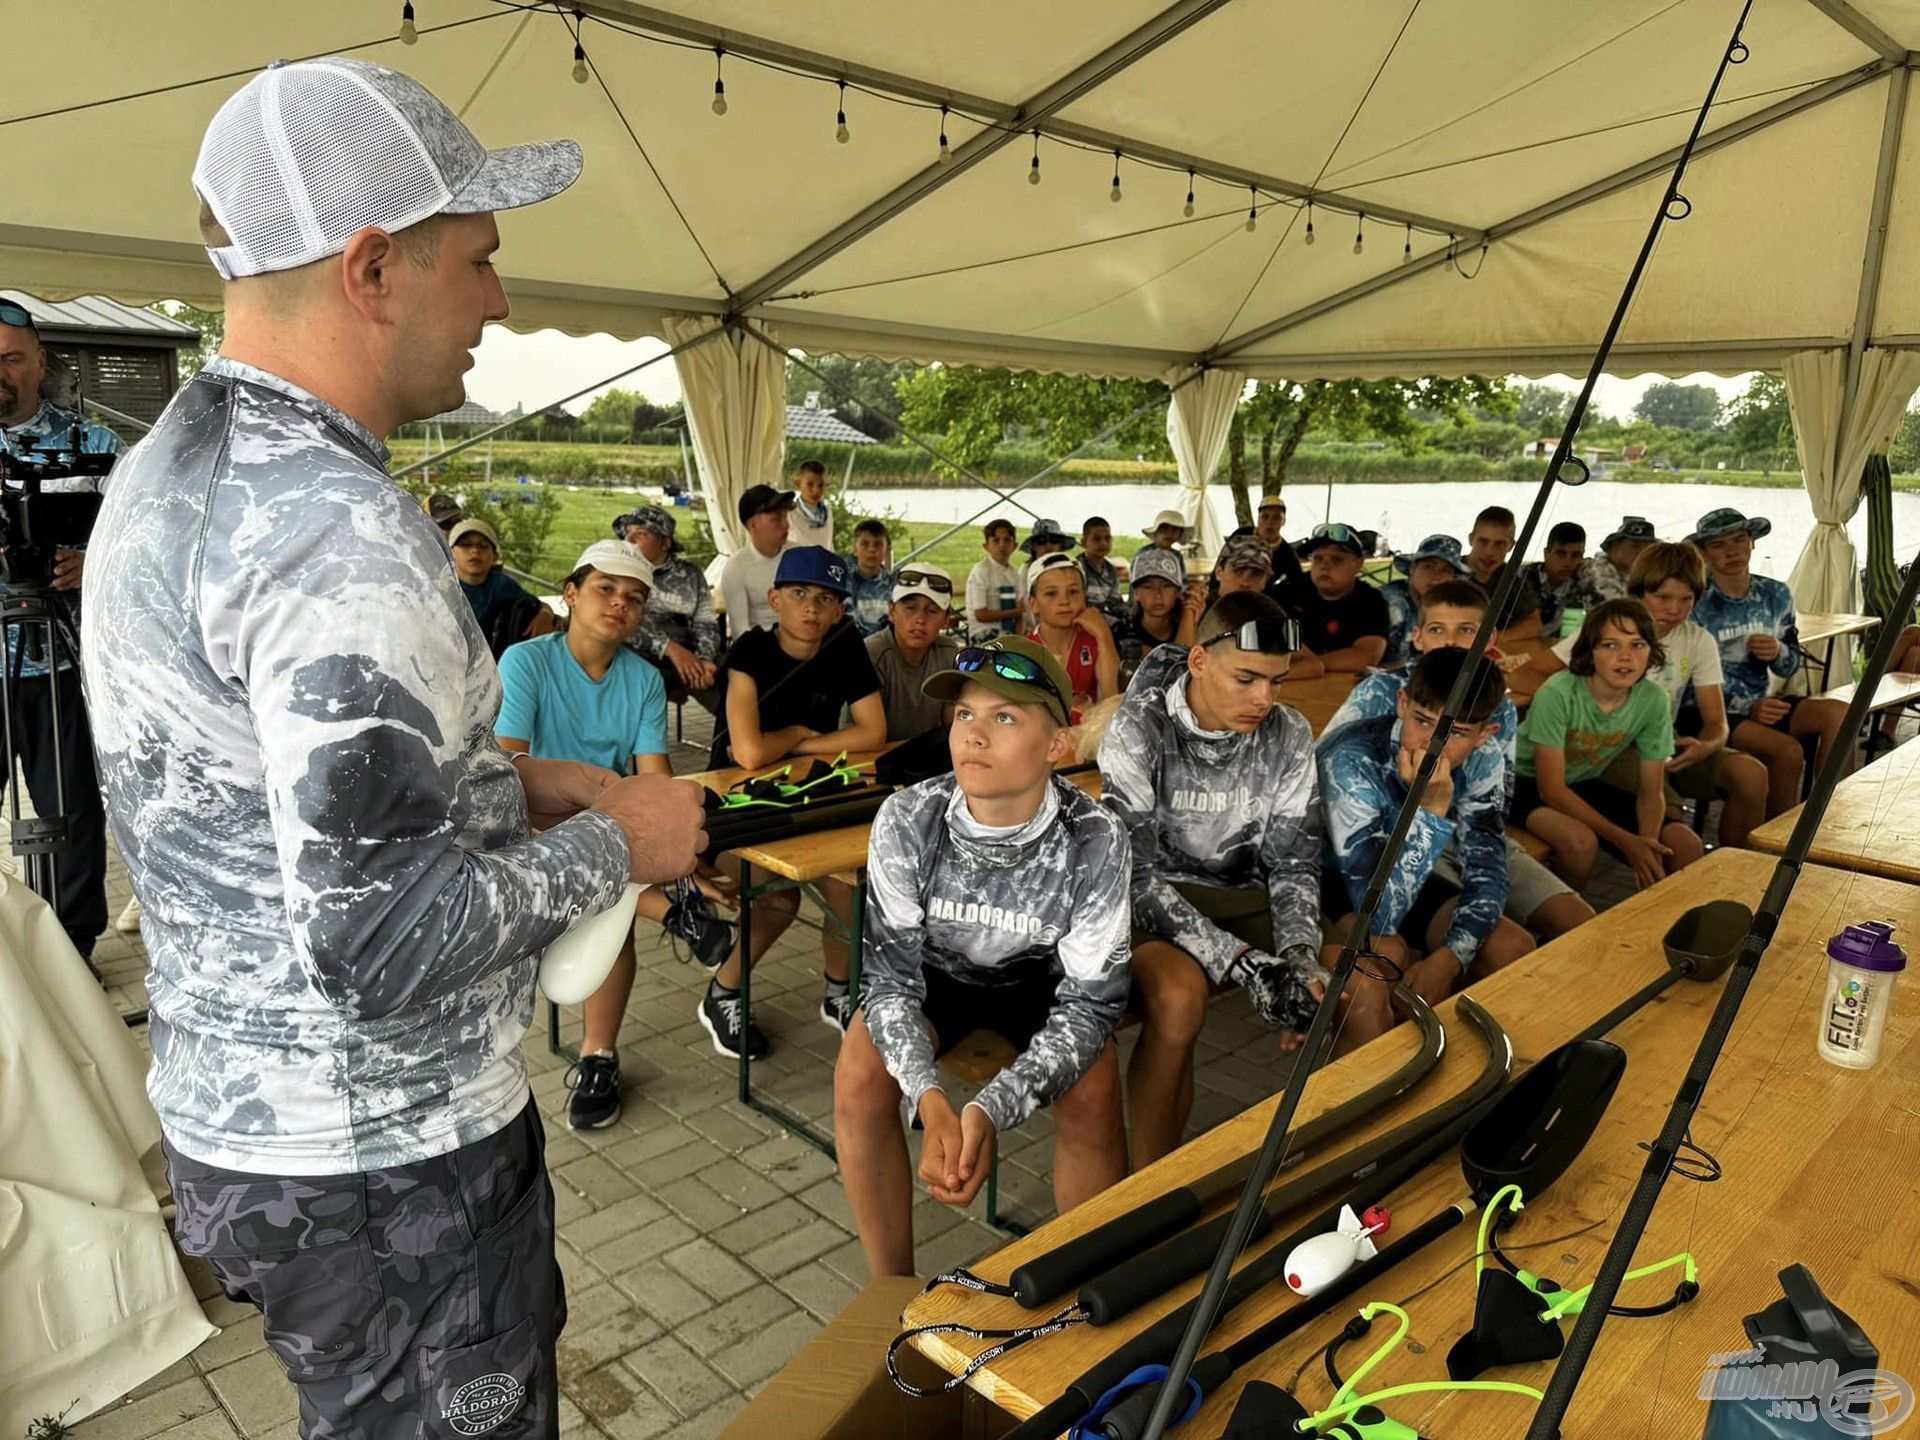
1686, 1100
1047, 1277
1563, 463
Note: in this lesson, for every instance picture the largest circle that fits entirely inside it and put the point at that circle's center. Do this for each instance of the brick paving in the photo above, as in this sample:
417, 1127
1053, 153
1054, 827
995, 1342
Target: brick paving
702, 1247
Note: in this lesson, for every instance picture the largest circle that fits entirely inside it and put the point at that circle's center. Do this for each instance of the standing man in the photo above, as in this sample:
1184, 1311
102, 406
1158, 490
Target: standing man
29, 424
765, 514
811, 522
345, 906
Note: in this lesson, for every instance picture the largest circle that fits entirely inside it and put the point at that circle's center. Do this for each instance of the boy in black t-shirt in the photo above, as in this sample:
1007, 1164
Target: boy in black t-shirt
1342, 620
785, 690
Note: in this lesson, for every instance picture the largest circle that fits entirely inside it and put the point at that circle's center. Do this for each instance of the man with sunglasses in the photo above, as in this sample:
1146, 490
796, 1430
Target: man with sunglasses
1216, 783
997, 901
914, 648
30, 424
1343, 620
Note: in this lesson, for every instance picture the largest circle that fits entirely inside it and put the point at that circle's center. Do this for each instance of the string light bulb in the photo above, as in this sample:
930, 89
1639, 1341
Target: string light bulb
1406, 252
946, 151
719, 81
1033, 166
1253, 209
579, 50
840, 131
1309, 222
408, 35
1187, 209
1114, 194
1360, 234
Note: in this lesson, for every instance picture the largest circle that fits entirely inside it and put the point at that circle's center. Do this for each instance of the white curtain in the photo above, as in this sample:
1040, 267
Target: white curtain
1198, 418
735, 391
1836, 433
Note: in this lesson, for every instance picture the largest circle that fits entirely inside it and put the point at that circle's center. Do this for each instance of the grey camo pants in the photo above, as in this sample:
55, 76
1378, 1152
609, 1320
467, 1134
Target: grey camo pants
418, 1301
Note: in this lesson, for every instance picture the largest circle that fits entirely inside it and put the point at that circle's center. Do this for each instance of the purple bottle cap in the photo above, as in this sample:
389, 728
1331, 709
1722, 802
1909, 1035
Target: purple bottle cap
1868, 946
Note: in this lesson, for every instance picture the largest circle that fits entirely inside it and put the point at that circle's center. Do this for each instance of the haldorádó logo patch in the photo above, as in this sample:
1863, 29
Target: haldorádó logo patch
479, 1405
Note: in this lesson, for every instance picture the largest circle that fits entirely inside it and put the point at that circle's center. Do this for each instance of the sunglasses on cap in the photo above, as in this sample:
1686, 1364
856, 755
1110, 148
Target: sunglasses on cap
1265, 636
939, 584
1009, 666
17, 315
1336, 532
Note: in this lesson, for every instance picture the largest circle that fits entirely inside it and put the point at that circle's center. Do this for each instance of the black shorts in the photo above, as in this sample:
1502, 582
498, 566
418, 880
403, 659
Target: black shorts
1016, 1011
1614, 803
1334, 903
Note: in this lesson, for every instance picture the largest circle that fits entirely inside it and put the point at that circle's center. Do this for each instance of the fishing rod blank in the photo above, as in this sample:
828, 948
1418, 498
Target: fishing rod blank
1686, 1101
1047, 1277
1564, 463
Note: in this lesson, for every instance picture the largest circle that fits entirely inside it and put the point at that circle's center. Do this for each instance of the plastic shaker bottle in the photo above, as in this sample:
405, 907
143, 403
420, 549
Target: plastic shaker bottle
1863, 967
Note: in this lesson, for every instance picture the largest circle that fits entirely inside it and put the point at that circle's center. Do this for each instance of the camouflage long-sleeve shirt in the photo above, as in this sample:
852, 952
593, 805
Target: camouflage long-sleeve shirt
1766, 609
1204, 808
979, 905
1360, 778
294, 709
679, 612
1489, 770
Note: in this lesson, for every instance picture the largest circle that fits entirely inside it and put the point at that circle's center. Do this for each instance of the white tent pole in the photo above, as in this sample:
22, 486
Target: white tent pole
1091, 73
1875, 259
1038, 476
504, 425
1632, 175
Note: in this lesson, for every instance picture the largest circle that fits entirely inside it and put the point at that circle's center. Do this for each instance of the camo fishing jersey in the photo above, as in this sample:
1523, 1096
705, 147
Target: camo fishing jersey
868, 597
1766, 609
1488, 770
1103, 591
1213, 808
983, 906
1403, 613
50, 429
1360, 777
679, 612
1555, 598
293, 707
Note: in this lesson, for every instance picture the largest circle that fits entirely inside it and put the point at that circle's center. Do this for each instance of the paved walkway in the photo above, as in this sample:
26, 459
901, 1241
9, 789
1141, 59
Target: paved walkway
702, 1248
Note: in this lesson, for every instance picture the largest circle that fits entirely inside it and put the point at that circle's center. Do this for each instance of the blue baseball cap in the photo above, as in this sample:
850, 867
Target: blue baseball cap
812, 565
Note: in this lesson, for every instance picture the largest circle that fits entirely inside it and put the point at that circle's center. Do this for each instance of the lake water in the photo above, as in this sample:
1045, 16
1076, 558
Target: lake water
1406, 514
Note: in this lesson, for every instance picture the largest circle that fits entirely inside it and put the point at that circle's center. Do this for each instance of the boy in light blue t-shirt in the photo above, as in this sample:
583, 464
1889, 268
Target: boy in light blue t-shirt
581, 694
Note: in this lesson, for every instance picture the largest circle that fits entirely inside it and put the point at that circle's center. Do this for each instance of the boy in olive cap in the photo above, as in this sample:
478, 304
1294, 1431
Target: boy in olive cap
997, 900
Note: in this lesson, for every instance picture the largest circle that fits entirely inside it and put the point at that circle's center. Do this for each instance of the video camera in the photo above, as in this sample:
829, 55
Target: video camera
34, 521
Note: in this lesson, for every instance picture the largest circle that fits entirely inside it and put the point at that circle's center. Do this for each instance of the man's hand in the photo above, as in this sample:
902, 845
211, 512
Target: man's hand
1434, 977
664, 823
559, 789
1645, 856
1769, 710
67, 565
1439, 793
1764, 647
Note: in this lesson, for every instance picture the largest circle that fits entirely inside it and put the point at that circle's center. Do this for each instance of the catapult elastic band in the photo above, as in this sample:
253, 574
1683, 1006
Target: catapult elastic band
1346, 1402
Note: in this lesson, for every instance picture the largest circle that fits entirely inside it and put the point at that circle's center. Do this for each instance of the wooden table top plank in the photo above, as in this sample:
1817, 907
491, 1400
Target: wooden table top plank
1816, 625
1872, 823
1820, 1167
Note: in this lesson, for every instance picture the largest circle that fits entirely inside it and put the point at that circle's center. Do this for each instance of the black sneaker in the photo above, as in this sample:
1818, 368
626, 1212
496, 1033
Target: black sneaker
595, 1083
725, 1019
836, 1005
707, 935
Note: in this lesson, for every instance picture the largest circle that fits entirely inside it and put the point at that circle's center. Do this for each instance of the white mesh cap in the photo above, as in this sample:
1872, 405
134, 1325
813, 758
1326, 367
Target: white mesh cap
306, 155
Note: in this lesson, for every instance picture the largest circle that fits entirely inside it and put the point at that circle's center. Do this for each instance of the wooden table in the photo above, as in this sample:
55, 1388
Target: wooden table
1819, 1167
1872, 824
1816, 627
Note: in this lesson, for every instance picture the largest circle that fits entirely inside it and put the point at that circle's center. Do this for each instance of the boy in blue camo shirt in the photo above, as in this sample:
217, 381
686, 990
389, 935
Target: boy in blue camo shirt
1431, 927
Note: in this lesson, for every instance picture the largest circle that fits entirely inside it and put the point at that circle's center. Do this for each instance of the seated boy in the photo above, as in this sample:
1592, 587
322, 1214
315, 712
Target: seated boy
1558, 579
680, 633
996, 591
913, 649
1216, 783
1450, 614
1488, 545
1101, 574
1245, 566
1601, 705
1342, 621
785, 690
869, 581
1432, 926
997, 901
1434, 563
1606, 573
1751, 618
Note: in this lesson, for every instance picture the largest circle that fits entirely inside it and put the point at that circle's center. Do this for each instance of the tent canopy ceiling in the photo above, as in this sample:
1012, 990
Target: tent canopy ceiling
1534, 127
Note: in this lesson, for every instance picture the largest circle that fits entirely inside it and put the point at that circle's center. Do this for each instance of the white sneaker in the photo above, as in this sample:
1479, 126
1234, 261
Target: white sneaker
129, 921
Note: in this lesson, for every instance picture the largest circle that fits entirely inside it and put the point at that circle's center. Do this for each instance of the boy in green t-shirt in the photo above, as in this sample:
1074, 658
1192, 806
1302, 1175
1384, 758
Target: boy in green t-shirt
1579, 721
